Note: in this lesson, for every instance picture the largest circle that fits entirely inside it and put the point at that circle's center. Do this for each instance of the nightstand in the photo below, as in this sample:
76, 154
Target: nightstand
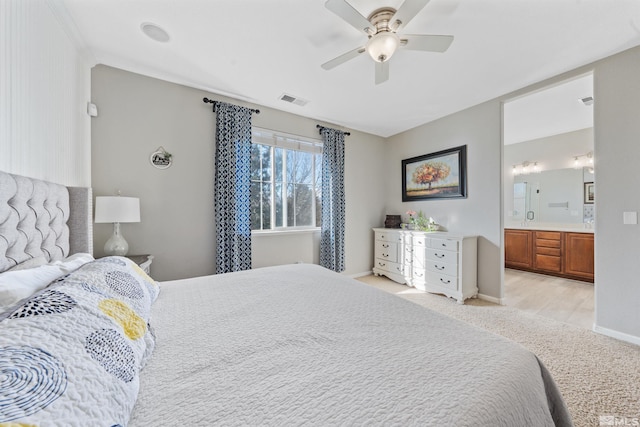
143, 261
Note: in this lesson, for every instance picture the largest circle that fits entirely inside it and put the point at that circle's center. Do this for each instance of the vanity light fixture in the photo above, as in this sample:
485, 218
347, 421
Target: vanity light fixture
578, 160
525, 168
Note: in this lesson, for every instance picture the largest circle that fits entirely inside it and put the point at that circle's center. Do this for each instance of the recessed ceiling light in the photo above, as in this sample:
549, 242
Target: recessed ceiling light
154, 32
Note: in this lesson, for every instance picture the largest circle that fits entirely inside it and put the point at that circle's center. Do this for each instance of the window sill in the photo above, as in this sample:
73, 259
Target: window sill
285, 231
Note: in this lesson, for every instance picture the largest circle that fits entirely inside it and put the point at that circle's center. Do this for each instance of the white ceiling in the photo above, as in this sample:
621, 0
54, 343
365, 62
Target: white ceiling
256, 50
551, 111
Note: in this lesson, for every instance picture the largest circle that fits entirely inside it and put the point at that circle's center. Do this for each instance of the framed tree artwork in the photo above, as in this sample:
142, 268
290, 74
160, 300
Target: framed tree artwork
440, 175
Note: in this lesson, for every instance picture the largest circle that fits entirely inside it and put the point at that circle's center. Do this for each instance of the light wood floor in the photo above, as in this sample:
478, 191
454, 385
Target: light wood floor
565, 300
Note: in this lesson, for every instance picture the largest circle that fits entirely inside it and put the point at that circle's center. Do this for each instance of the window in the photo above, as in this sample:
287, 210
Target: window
285, 181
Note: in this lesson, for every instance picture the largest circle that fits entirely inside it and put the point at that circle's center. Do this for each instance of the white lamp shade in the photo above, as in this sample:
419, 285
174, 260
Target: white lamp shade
117, 209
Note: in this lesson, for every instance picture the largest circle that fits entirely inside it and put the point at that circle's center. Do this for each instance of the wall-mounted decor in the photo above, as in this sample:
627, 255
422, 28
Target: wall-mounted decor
589, 193
161, 159
441, 175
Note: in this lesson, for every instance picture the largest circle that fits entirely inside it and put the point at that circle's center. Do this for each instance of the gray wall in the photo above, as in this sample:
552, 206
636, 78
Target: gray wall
479, 128
617, 153
138, 114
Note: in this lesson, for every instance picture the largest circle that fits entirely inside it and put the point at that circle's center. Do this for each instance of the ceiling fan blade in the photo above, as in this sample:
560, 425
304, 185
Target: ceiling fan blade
382, 72
407, 12
430, 43
343, 58
345, 11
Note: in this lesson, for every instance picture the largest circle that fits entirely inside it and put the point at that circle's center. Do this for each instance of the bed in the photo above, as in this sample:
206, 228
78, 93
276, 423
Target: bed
104, 344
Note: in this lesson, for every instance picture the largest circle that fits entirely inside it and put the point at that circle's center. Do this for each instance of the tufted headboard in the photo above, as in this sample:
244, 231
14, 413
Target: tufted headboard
40, 218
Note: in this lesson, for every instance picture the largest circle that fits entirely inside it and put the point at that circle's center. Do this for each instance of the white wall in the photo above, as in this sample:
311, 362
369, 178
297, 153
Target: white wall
479, 128
138, 114
44, 87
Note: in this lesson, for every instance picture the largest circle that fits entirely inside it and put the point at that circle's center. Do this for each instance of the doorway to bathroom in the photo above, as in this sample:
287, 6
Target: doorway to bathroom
549, 201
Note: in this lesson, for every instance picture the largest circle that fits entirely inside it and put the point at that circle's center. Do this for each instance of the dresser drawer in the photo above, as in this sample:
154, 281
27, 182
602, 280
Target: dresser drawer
391, 267
419, 274
442, 280
387, 251
442, 256
390, 236
420, 241
442, 268
445, 244
418, 257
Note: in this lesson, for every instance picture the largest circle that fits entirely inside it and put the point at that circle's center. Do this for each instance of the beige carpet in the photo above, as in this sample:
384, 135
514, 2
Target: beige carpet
597, 375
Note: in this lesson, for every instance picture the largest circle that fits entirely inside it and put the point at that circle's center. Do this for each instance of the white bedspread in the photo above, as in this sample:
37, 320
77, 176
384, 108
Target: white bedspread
300, 345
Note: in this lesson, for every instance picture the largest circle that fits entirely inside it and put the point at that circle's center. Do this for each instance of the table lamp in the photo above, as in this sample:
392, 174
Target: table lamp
117, 209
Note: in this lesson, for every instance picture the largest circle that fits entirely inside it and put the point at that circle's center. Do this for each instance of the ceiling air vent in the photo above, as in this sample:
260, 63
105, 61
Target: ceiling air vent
293, 100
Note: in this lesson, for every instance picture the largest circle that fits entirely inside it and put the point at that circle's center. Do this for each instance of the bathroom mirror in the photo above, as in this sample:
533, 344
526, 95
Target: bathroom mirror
552, 196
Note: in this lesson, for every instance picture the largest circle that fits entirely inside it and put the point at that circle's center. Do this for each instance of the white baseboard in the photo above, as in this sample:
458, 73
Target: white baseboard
617, 335
355, 276
499, 301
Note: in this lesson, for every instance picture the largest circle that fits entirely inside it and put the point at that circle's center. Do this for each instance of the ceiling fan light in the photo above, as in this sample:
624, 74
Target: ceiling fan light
382, 46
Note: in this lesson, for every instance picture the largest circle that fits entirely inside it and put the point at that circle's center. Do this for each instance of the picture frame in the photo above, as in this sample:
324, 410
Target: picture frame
161, 159
439, 175
589, 193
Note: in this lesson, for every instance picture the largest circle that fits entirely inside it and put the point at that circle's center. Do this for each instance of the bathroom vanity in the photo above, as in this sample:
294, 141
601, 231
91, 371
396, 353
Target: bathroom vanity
557, 251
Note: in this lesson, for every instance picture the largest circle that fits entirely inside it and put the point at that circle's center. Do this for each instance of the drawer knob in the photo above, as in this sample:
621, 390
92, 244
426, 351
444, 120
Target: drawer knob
385, 255
381, 264
445, 281
385, 245
444, 245
439, 255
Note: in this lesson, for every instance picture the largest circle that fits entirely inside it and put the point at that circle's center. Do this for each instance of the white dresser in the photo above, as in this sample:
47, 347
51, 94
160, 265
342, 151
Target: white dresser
436, 262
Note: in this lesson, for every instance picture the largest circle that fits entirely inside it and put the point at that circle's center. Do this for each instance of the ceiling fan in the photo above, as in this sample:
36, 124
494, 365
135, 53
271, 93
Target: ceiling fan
381, 27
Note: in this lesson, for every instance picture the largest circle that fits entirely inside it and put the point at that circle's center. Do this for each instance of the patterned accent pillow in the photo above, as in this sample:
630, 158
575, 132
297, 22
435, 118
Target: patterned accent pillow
74, 350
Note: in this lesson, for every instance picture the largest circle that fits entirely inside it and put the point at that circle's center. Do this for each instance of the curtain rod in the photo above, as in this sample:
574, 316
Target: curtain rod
322, 127
211, 101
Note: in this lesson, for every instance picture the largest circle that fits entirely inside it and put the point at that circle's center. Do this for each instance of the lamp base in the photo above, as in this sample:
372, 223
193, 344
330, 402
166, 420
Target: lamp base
116, 245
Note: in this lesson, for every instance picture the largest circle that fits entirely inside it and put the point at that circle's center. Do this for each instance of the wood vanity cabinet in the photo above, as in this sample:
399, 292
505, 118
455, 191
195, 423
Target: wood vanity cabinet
558, 253
548, 251
518, 249
578, 255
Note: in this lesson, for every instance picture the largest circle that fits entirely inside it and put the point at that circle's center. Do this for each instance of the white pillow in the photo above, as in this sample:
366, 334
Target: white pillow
18, 285
73, 262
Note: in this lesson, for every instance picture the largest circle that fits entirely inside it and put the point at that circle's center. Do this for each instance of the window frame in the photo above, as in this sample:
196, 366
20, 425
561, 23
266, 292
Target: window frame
287, 142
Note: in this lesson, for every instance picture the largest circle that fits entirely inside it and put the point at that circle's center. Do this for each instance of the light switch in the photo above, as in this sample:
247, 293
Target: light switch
630, 217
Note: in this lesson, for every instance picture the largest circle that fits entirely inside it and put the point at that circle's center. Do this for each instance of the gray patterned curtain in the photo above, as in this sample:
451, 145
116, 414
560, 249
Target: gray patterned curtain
232, 187
333, 205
